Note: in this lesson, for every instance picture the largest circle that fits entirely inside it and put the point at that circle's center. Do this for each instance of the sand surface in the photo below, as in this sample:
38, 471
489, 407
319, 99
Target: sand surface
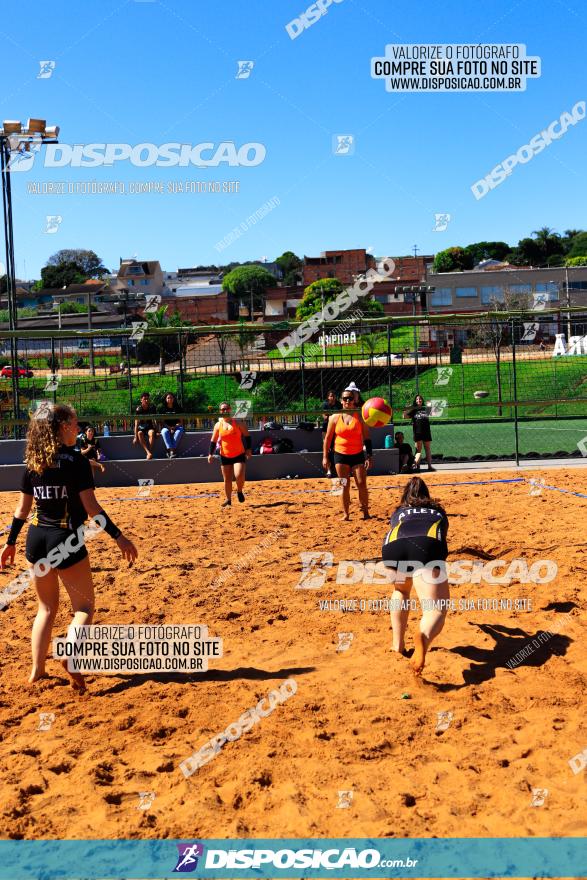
347, 728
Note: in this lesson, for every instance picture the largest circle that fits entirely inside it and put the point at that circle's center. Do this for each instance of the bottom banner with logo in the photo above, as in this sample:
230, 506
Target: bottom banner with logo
340, 858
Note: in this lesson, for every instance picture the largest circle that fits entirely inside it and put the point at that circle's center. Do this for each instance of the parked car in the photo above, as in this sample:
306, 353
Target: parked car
6, 373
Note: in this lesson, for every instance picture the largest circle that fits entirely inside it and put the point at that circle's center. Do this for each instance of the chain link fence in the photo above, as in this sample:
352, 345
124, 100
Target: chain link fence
498, 384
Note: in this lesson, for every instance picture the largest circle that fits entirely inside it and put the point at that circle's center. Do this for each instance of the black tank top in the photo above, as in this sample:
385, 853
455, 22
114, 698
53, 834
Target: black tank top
56, 490
417, 522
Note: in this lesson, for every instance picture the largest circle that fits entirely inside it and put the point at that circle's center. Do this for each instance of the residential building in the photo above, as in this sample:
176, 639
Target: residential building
140, 277
474, 290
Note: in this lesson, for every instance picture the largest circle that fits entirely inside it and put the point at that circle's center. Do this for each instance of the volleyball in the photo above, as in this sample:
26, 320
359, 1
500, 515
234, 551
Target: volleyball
377, 412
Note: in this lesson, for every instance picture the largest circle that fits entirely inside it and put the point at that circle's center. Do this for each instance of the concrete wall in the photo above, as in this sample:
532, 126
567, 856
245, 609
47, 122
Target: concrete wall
126, 464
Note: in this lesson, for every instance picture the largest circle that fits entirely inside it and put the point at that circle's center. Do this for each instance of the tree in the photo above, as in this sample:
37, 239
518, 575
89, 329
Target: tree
291, 266
62, 275
89, 262
548, 241
578, 246
576, 261
453, 259
249, 284
487, 250
569, 235
155, 321
370, 341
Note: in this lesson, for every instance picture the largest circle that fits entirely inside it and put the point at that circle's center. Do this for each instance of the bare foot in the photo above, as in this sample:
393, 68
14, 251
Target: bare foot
345, 517
366, 514
419, 655
37, 676
401, 650
78, 682
149, 456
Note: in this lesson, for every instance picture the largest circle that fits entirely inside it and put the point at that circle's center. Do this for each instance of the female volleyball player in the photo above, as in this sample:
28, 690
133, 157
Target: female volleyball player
419, 413
235, 449
417, 539
59, 480
350, 435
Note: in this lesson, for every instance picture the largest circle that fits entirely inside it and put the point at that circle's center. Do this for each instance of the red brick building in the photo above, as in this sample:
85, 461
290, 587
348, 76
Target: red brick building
344, 265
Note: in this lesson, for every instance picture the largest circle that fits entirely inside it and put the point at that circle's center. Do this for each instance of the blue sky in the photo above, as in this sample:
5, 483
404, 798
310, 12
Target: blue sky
160, 72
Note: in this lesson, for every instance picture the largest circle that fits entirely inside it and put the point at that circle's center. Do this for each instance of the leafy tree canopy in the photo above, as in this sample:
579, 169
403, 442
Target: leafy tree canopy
244, 280
324, 291
89, 262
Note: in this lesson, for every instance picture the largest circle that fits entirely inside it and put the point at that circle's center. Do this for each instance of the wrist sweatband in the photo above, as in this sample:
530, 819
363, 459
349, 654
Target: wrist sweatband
110, 528
369, 447
212, 448
14, 532
247, 441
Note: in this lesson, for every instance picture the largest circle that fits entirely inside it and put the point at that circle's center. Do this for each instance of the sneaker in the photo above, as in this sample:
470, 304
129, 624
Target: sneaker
240, 497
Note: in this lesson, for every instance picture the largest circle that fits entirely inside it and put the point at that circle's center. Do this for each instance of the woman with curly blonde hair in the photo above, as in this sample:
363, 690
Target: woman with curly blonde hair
59, 480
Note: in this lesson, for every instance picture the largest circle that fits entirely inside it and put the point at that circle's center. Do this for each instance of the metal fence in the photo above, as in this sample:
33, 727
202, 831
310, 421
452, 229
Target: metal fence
499, 383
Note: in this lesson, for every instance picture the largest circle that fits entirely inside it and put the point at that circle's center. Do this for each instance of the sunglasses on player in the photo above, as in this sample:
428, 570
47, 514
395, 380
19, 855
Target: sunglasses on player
347, 399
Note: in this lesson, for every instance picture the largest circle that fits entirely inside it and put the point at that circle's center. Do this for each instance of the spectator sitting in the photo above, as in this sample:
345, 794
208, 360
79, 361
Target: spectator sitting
406, 456
173, 429
89, 446
145, 428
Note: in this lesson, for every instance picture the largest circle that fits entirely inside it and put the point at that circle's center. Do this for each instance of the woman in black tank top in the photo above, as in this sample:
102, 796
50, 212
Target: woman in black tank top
59, 480
415, 550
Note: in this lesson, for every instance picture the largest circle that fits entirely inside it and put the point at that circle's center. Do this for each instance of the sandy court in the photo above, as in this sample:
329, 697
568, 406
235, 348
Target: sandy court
347, 728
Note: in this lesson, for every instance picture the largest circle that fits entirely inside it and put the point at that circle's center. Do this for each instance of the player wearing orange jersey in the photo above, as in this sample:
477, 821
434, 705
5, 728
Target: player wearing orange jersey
351, 441
235, 449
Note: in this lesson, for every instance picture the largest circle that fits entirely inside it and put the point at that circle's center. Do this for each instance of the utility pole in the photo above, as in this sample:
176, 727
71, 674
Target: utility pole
91, 340
415, 249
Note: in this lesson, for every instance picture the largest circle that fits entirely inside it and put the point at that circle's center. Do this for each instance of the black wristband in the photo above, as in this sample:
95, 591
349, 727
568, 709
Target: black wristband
109, 526
14, 532
368, 447
212, 448
247, 441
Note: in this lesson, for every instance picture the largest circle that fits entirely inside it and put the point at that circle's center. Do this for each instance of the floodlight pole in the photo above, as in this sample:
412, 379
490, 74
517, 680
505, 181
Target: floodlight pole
10, 271
12, 138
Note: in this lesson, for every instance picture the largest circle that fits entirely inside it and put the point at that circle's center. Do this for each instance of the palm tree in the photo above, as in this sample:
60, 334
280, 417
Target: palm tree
155, 321
369, 341
548, 240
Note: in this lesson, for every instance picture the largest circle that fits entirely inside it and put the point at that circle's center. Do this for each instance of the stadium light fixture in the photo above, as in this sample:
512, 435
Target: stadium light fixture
11, 126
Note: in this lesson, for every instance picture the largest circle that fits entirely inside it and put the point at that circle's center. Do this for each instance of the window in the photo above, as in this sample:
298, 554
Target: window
144, 283
135, 270
521, 288
442, 296
130, 282
491, 294
381, 298
468, 292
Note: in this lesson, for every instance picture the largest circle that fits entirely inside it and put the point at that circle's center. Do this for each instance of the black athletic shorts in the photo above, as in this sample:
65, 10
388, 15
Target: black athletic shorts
236, 459
42, 539
423, 435
418, 549
351, 460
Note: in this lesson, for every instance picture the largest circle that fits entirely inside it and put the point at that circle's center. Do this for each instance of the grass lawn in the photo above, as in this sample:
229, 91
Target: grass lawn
402, 338
497, 438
